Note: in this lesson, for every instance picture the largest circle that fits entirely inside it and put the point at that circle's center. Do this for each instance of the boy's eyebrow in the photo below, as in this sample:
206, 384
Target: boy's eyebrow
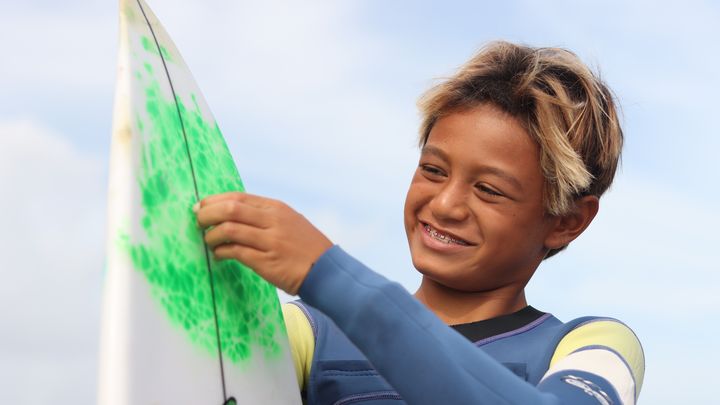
432, 150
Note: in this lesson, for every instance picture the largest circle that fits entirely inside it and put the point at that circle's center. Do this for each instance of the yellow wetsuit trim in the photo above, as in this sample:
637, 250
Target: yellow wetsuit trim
302, 342
608, 333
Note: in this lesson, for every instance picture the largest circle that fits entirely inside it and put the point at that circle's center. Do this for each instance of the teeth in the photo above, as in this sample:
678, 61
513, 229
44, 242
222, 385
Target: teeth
442, 237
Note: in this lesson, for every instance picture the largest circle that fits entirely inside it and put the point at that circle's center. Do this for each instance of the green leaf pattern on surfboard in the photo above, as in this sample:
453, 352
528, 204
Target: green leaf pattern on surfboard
171, 255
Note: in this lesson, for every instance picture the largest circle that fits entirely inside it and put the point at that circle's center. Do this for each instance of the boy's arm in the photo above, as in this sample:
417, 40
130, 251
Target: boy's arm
423, 359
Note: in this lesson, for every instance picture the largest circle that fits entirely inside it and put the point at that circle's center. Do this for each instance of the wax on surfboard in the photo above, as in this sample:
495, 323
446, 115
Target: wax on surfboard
178, 327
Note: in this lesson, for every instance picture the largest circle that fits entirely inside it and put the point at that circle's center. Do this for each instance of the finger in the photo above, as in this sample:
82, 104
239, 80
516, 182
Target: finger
235, 233
232, 211
244, 254
250, 199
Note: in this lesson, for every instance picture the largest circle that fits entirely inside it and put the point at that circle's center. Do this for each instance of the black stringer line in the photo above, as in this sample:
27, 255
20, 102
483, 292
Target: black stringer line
197, 198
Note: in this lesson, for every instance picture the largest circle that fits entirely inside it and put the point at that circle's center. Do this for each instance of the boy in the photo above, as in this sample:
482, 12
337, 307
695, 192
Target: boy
517, 148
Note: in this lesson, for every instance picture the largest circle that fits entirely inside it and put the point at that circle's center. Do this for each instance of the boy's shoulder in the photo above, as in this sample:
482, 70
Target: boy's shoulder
592, 339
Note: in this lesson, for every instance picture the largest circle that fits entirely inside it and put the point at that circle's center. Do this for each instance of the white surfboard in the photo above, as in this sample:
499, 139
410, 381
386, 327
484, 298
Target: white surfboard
178, 327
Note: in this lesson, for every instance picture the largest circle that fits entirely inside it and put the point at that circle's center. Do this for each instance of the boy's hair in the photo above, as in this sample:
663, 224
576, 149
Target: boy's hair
564, 107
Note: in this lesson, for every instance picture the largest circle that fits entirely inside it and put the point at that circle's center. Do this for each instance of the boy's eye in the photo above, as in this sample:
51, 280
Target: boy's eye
431, 170
488, 191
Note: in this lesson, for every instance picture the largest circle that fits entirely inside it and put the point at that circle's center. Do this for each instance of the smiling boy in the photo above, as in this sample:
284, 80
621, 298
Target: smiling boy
517, 148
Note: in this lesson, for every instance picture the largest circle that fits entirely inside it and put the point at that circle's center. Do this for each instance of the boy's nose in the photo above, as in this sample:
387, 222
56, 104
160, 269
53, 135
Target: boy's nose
450, 203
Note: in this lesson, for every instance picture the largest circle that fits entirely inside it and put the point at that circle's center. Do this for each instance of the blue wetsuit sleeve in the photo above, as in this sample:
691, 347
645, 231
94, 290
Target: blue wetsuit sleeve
423, 359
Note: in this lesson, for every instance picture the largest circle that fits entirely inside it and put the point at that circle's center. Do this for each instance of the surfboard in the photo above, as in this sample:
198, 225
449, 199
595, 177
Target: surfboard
178, 327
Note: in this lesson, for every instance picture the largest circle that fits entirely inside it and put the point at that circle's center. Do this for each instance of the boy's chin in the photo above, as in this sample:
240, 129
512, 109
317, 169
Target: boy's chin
443, 277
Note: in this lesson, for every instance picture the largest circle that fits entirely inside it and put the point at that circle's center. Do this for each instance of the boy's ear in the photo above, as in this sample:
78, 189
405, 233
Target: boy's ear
570, 226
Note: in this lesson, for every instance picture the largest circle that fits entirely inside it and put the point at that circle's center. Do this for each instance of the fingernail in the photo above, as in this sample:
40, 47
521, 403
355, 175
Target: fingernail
196, 207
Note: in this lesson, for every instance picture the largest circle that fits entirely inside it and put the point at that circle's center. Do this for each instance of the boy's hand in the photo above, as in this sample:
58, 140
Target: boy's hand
265, 234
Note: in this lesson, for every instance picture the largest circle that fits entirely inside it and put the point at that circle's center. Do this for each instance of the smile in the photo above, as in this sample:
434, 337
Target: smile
443, 237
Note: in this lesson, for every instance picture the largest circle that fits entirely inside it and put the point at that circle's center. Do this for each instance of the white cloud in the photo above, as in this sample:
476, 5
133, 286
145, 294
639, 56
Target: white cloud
52, 245
68, 50
356, 235
678, 367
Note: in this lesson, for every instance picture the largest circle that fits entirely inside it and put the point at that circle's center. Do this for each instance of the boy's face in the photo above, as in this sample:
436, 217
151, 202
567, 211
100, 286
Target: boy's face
474, 213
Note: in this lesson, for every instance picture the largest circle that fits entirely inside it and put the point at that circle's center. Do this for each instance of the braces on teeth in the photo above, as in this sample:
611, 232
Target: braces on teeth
442, 238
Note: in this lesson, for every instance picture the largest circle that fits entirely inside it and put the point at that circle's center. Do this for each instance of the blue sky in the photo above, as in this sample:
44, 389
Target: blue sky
317, 102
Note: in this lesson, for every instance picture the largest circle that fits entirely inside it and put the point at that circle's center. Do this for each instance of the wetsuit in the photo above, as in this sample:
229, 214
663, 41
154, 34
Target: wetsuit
363, 339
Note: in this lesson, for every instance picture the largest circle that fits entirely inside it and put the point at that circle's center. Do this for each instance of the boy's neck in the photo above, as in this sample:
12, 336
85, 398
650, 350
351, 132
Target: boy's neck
455, 307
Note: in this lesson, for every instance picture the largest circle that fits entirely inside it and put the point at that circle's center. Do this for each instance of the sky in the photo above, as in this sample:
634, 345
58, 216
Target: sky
316, 100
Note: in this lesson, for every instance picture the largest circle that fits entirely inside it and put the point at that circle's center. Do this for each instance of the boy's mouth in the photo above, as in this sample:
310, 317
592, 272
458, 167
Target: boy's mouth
443, 237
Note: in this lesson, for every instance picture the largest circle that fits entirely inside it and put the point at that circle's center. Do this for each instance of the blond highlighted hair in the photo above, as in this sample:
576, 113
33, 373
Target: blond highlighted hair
565, 108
